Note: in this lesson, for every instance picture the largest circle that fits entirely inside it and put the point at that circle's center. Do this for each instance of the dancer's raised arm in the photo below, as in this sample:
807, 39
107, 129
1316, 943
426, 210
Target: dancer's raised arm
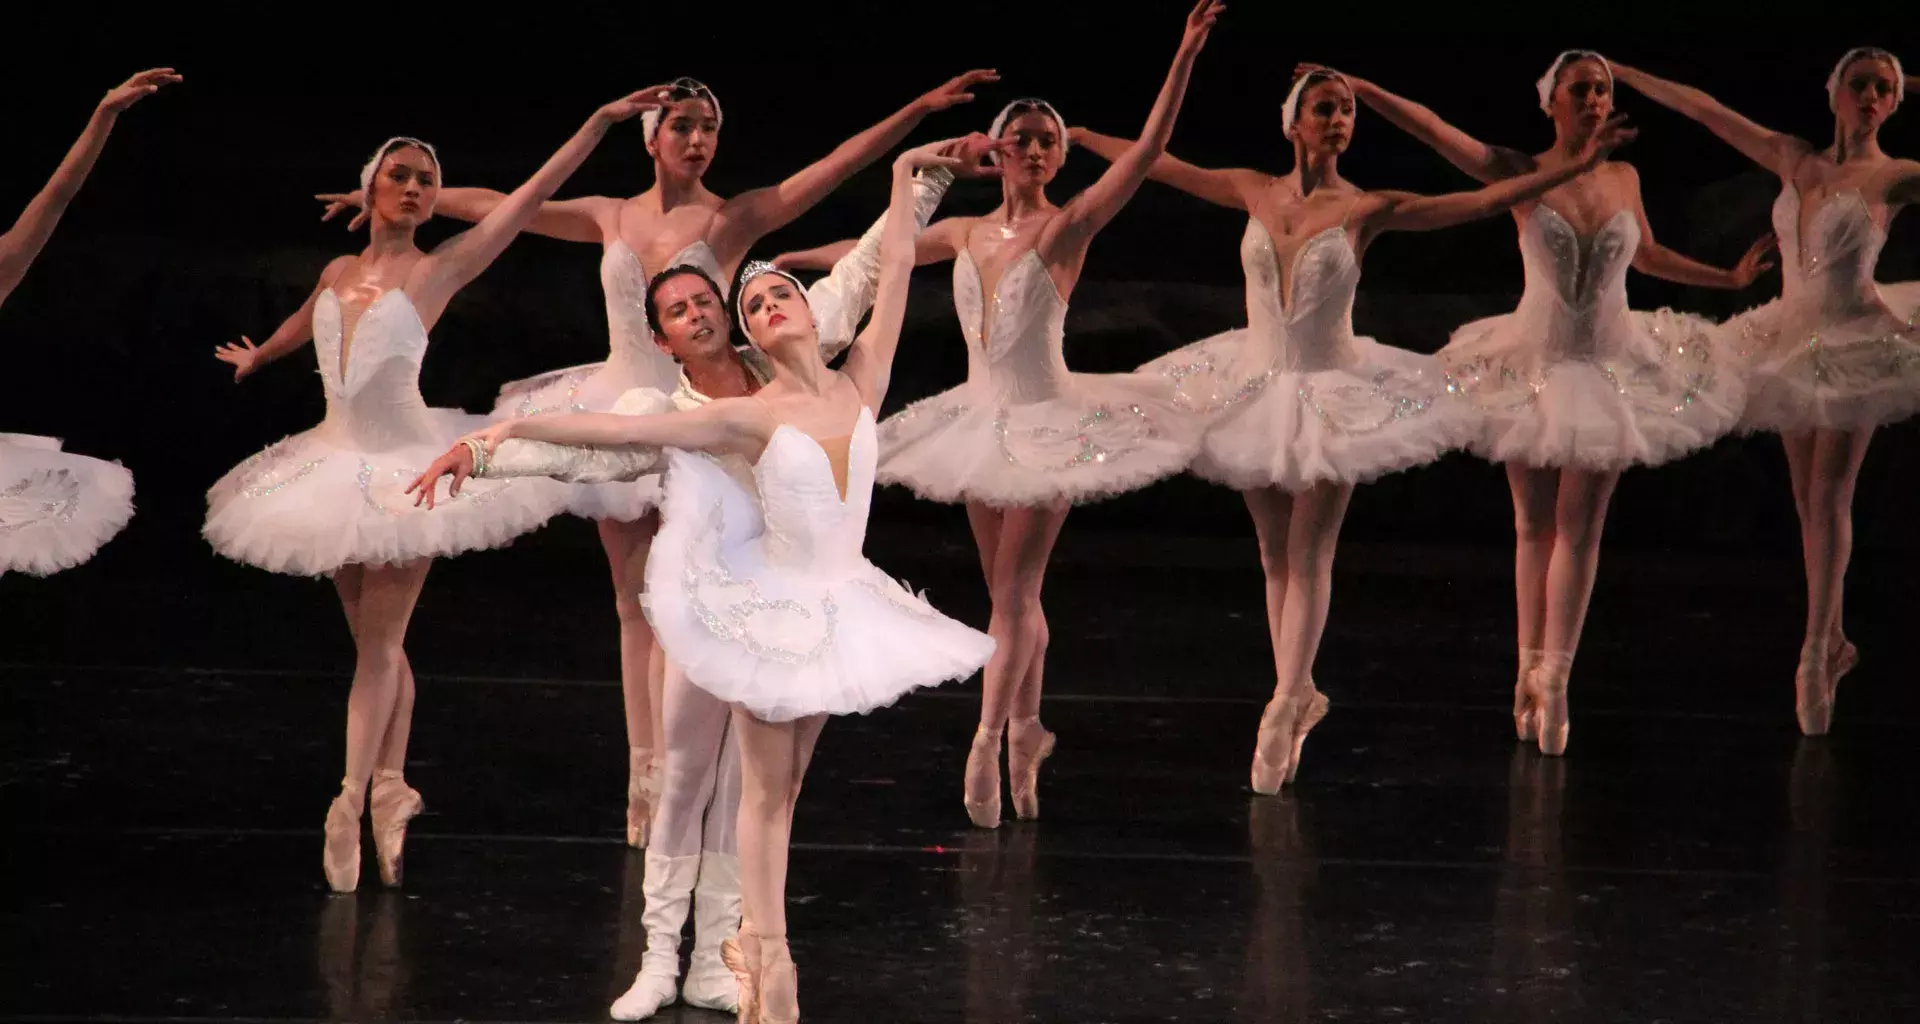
1404, 211
1091, 210
1234, 188
35, 225
461, 258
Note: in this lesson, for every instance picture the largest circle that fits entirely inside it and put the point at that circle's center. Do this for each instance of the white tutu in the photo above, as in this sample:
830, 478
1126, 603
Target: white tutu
335, 495
1672, 390
56, 508
1024, 430
1835, 350
1574, 378
786, 618
1296, 399
1105, 435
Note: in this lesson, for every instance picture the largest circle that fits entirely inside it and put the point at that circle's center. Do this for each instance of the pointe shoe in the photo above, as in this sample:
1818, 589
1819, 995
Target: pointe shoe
394, 804
1548, 688
1523, 719
1316, 709
778, 983
741, 954
1813, 693
1028, 745
716, 917
340, 858
668, 886
982, 783
643, 790
1276, 734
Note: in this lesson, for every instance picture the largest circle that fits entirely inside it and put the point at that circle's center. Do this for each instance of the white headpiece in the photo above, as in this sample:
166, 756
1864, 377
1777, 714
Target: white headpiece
1023, 106
1552, 77
1858, 52
677, 90
1290, 110
756, 269
397, 142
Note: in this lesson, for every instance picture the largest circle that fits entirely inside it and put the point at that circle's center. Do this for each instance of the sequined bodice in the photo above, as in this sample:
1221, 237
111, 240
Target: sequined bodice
1014, 337
1833, 265
808, 525
630, 340
375, 398
1312, 329
1577, 286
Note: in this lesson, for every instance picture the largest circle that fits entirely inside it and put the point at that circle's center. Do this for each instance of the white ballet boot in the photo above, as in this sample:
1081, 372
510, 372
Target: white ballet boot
668, 886
716, 918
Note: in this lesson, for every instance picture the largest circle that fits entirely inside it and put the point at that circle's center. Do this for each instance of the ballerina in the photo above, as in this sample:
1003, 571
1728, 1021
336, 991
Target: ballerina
760, 593
58, 508
1574, 386
675, 221
1025, 438
1302, 409
329, 501
1835, 356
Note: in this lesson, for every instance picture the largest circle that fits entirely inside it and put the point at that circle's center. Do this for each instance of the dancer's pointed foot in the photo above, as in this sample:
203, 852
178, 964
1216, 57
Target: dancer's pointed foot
341, 856
1028, 745
982, 783
394, 805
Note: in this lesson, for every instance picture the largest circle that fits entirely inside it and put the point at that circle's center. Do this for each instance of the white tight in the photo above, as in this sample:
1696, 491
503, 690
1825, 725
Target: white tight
699, 803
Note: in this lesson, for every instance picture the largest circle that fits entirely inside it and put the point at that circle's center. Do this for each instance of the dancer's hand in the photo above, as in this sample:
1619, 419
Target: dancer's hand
955, 91
355, 200
245, 357
1755, 262
137, 88
457, 463
1610, 137
1199, 23
633, 103
961, 155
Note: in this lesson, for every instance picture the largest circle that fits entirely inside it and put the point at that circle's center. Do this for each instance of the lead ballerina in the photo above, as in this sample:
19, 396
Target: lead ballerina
1301, 409
1836, 355
331, 501
1024, 439
677, 221
761, 594
58, 508
1575, 386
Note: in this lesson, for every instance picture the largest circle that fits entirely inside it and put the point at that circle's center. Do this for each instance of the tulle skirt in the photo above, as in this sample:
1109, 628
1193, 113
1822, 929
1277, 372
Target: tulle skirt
1810, 370
594, 387
315, 502
56, 508
783, 643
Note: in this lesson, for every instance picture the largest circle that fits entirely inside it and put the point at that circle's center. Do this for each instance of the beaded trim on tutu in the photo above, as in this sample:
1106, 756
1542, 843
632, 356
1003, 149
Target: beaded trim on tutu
1388, 410
1673, 389
1106, 434
1808, 370
313, 503
57, 508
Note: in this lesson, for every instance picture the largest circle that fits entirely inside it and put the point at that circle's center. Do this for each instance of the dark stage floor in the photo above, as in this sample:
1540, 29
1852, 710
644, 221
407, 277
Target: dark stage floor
173, 742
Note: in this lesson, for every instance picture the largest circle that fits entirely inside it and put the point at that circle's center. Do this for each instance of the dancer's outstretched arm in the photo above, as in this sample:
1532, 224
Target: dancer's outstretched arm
1654, 259
1776, 151
1404, 211
1235, 188
30, 232
1482, 162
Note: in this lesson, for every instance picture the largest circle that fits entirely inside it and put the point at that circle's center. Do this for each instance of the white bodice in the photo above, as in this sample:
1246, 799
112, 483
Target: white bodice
1833, 264
808, 526
1576, 288
374, 399
631, 351
1015, 337
1311, 329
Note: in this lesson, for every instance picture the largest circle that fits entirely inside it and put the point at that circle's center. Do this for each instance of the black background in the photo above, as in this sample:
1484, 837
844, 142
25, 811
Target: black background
198, 226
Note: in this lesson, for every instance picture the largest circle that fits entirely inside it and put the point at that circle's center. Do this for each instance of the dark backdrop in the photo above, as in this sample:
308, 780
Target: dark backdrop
197, 225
